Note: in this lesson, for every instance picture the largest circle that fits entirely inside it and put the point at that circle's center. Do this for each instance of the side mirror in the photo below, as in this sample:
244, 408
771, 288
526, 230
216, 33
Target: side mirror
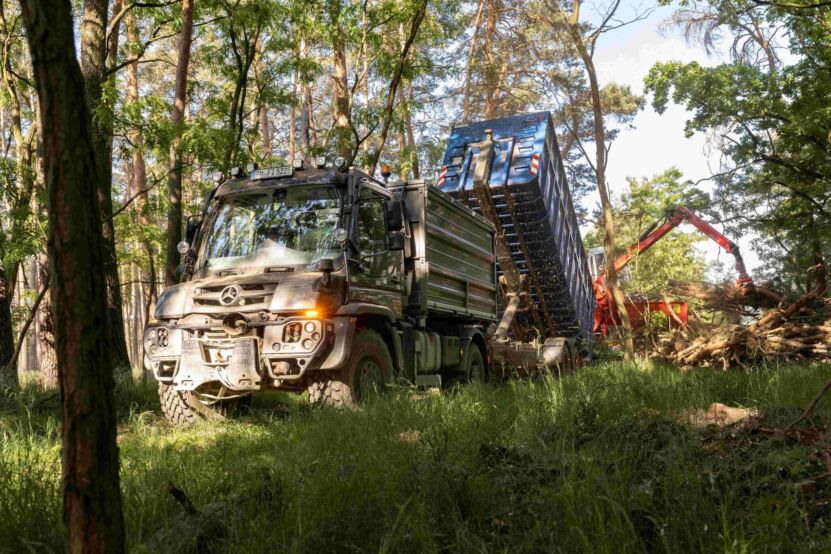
394, 215
395, 241
192, 228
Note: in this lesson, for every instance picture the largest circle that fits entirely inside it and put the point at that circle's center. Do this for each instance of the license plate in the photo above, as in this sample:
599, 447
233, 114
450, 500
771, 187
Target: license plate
273, 172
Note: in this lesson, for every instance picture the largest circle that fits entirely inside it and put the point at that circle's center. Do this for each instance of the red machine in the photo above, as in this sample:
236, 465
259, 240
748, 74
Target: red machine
606, 314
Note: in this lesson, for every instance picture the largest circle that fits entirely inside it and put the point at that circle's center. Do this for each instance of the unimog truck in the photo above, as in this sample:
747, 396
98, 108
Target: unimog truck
327, 280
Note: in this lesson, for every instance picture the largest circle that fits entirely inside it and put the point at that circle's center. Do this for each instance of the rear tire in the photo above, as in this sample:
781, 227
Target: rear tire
477, 370
366, 372
570, 362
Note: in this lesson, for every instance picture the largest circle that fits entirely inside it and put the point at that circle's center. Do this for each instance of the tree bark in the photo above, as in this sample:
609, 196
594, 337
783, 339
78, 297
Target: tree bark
174, 181
94, 69
92, 513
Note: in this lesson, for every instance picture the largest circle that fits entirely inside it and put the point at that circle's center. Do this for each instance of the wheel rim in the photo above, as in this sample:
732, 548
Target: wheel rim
370, 378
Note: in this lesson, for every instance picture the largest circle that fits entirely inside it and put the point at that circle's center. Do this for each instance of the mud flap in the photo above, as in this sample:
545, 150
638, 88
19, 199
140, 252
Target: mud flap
553, 351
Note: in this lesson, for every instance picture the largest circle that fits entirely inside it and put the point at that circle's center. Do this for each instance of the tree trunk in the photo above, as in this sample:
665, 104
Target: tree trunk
600, 169
174, 181
31, 339
265, 130
343, 129
471, 51
408, 120
293, 120
401, 138
243, 53
112, 45
139, 171
92, 500
94, 69
46, 331
490, 63
8, 373
305, 123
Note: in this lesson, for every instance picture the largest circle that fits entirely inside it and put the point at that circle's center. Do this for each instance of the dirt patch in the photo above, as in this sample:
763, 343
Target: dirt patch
721, 416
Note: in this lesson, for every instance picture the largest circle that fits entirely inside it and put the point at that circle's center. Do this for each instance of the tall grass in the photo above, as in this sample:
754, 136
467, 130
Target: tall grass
592, 462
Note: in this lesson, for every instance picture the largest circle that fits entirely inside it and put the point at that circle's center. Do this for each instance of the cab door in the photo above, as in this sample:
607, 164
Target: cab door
376, 273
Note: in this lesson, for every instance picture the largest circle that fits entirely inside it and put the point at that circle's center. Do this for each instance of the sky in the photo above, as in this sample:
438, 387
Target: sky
657, 142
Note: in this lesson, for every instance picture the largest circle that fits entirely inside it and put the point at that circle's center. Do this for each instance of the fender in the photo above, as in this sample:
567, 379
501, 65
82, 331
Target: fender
344, 332
386, 319
361, 308
466, 337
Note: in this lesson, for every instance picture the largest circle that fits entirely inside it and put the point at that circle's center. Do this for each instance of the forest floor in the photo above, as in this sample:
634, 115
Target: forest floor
607, 460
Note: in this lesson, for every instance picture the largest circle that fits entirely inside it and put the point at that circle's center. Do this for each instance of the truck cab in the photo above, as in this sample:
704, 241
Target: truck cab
300, 279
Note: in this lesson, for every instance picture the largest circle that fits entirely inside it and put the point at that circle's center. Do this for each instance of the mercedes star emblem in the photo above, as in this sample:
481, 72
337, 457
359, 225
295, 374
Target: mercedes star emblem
230, 295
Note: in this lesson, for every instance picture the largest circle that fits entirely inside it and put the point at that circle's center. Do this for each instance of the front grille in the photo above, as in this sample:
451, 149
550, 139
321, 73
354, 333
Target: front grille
253, 296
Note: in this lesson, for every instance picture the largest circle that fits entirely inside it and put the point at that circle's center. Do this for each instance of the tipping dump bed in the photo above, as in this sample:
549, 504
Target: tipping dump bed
536, 213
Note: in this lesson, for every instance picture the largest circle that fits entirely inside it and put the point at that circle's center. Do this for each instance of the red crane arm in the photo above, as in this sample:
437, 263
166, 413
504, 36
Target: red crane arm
673, 219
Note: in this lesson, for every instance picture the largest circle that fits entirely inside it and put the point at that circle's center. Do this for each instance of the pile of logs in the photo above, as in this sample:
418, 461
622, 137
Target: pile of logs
796, 331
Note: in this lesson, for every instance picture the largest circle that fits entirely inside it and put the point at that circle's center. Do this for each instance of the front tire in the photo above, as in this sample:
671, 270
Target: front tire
185, 408
366, 372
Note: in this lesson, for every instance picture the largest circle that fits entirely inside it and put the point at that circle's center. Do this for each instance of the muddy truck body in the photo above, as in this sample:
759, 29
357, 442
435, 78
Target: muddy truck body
328, 281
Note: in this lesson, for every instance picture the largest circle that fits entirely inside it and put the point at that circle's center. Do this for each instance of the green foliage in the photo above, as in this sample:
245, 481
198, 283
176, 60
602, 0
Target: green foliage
772, 122
673, 259
595, 462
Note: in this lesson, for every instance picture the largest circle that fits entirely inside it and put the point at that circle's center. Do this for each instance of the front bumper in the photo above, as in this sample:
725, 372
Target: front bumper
275, 353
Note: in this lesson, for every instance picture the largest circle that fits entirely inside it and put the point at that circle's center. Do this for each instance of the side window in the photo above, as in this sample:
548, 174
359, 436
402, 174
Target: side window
372, 227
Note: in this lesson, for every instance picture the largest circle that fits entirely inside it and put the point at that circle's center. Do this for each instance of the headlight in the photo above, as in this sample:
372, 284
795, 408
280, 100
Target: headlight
162, 337
295, 337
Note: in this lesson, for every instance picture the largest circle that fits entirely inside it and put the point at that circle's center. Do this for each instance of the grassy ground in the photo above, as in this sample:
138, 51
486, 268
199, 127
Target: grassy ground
594, 462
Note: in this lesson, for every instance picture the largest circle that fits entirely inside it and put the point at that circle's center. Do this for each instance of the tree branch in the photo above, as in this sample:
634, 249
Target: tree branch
116, 19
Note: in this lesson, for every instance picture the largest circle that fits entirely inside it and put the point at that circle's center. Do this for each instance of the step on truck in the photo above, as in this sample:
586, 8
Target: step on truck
326, 280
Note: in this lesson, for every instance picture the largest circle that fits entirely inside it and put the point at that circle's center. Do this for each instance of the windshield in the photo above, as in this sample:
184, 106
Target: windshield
283, 227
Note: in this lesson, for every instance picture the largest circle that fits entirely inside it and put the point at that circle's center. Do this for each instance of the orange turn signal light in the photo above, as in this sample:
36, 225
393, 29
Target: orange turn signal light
311, 313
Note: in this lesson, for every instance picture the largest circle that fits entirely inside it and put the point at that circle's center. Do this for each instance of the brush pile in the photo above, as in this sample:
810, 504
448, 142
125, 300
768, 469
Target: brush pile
797, 331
